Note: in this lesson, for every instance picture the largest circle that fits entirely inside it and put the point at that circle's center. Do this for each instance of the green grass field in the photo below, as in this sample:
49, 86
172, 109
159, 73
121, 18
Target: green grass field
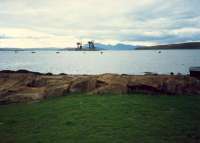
103, 119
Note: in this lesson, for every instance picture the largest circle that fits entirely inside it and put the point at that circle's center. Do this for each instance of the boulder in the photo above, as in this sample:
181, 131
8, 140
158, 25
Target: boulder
83, 85
25, 86
60, 90
112, 88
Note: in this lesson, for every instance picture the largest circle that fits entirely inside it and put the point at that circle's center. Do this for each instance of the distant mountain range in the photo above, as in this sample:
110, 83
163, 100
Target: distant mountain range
98, 46
120, 46
189, 45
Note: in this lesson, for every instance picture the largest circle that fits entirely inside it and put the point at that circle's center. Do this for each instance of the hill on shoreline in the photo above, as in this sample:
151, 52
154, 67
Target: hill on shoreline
190, 45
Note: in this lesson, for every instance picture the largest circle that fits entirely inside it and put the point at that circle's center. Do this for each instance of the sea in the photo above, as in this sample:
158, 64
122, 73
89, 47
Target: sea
134, 62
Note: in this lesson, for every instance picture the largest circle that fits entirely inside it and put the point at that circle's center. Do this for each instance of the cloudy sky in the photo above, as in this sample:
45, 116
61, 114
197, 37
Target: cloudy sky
61, 23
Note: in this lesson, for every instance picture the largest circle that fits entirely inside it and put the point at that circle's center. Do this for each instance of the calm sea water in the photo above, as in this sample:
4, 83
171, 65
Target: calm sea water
95, 62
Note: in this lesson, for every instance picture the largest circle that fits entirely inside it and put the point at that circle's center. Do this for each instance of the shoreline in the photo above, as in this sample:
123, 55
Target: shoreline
25, 86
56, 74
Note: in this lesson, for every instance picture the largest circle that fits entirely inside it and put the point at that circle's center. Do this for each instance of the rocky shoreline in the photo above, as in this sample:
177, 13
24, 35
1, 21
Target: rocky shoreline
24, 86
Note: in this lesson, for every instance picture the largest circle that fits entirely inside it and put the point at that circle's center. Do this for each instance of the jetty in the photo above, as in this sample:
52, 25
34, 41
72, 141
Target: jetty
195, 72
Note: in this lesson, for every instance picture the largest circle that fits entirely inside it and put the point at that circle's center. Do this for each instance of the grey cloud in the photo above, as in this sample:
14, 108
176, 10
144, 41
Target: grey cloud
92, 22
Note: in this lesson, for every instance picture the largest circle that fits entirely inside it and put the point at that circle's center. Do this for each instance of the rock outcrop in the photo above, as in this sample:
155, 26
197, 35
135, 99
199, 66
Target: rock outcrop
23, 86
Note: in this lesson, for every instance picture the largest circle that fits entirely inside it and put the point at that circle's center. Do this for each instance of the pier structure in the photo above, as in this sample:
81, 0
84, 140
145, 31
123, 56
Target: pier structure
91, 44
79, 45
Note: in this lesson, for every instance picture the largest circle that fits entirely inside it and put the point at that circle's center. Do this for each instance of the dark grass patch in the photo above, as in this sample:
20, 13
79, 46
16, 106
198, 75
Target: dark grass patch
110, 119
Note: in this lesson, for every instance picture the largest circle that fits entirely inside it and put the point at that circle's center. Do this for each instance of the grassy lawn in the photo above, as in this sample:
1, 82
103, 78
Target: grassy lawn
103, 119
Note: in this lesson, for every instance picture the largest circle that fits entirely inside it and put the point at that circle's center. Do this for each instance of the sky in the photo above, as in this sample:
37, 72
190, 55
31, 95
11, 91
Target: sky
61, 23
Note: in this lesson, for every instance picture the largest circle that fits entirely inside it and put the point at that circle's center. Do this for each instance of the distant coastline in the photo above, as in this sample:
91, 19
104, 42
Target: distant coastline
190, 45
119, 46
